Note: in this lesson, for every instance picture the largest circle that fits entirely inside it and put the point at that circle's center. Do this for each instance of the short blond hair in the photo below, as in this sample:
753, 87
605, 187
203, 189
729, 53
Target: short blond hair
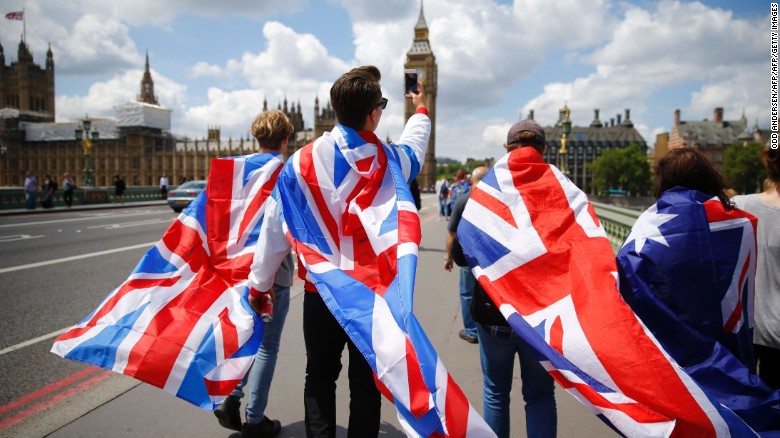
270, 128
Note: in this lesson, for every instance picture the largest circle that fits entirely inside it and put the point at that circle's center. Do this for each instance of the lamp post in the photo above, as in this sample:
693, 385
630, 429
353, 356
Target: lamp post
87, 137
565, 131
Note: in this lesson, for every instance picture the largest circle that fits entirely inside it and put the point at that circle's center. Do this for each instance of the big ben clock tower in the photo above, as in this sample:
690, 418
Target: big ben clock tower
420, 57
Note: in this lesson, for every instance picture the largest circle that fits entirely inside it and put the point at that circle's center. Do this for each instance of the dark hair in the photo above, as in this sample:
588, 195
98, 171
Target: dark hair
355, 94
771, 159
689, 168
526, 138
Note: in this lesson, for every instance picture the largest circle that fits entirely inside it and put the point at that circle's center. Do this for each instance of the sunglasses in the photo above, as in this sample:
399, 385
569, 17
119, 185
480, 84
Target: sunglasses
382, 103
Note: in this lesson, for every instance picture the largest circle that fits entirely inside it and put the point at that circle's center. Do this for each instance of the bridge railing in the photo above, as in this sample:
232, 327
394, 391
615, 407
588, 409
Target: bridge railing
12, 198
617, 222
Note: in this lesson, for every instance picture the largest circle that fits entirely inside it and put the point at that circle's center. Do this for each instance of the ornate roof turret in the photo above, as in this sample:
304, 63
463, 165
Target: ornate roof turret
421, 45
24, 55
49, 59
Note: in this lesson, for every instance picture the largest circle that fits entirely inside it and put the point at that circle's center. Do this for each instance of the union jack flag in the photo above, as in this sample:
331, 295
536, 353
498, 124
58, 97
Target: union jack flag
687, 269
182, 321
536, 246
17, 15
351, 219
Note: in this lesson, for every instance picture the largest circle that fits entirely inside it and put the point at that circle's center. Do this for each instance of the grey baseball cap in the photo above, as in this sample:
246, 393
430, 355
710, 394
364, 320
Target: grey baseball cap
525, 125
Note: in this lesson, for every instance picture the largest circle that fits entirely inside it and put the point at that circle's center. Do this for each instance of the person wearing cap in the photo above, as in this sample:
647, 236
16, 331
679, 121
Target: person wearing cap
498, 343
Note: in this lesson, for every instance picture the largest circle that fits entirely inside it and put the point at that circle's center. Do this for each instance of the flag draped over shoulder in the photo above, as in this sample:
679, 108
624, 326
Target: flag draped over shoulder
536, 246
350, 217
687, 269
182, 321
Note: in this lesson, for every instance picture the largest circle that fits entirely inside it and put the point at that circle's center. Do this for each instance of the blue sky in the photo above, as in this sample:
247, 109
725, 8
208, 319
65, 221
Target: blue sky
213, 63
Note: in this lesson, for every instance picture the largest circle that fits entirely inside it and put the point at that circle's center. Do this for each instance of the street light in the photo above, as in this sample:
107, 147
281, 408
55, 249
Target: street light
565, 131
87, 137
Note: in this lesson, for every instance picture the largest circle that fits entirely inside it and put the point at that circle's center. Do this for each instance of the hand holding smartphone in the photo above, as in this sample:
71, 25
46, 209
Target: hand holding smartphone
410, 82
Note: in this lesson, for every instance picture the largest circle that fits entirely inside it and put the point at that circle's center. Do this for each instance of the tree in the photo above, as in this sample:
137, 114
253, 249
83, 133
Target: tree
623, 169
743, 168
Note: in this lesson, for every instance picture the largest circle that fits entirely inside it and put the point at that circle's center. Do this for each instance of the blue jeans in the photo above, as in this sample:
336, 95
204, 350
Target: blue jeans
497, 354
262, 372
467, 284
30, 198
443, 204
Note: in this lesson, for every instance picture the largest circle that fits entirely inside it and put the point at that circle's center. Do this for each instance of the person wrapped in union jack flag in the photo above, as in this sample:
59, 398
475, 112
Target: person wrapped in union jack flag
499, 344
272, 129
316, 205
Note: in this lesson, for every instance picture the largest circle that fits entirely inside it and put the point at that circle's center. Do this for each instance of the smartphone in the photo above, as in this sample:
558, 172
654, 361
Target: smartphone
410, 82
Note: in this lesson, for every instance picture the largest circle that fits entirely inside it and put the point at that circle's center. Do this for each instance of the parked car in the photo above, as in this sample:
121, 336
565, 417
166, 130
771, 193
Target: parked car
180, 197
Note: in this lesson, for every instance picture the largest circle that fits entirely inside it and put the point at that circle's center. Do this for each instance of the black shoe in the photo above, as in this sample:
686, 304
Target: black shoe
467, 338
265, 428
229, 413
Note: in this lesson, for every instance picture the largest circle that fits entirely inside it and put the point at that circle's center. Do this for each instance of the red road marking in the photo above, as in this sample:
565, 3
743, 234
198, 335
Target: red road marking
41, 393
48, 389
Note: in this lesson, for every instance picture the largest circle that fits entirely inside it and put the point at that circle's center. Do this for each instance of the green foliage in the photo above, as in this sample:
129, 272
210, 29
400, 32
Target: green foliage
622, 169
743, 168
451, 167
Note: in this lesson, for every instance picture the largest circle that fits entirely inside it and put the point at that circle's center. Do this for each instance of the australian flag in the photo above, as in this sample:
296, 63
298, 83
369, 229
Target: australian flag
182, 321
533, 241
687, 270
351, 219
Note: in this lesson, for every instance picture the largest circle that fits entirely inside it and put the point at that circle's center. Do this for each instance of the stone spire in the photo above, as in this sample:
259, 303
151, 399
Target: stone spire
147, 86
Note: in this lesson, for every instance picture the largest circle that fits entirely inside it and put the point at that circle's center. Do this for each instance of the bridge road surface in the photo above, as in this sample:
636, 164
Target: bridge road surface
112, 405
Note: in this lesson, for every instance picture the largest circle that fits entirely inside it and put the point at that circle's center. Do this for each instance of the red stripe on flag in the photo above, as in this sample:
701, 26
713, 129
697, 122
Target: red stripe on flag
229, 333
309, 174
556, 335
409, 229
637, 412
456, 410
258, 201
418, 392
498, 208
217, 388
154, 355
186, 243
736, 314
108, 306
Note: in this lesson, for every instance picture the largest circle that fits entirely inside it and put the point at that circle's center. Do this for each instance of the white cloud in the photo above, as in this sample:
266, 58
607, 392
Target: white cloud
204, 69
102, 97
734, 94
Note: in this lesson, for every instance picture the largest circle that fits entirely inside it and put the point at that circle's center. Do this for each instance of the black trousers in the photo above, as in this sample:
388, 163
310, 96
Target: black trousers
67, 196
768, 365
325, 340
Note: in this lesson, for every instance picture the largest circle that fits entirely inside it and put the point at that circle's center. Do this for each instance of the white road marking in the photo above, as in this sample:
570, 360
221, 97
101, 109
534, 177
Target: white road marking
77, 257
84, 218
15, 237
132, 224
33, 341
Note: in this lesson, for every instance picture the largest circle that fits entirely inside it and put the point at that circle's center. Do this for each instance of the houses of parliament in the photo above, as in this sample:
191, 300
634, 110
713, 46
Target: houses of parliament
138, 144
